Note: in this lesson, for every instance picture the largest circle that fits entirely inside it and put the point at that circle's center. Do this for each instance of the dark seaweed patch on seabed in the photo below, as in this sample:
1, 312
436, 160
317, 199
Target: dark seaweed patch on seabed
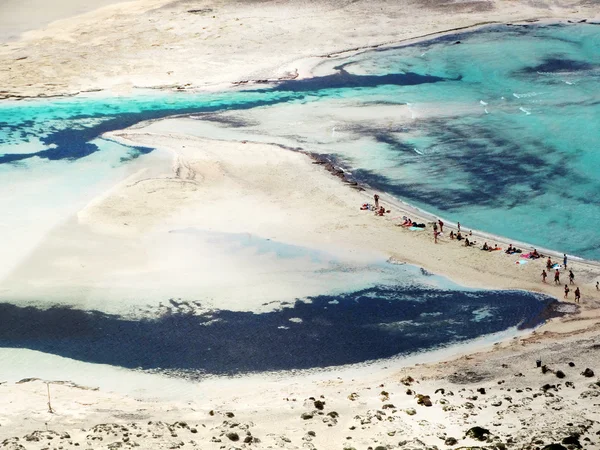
75, 142
343, 79
369, 324
490, 164
558, 65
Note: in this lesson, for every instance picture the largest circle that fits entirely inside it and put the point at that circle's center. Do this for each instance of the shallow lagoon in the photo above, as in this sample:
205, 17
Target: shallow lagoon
496, 132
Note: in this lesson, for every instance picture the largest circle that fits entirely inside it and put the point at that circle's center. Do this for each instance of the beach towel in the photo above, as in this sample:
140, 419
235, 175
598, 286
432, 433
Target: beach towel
416, 229
521, 261
555, 266
526, 255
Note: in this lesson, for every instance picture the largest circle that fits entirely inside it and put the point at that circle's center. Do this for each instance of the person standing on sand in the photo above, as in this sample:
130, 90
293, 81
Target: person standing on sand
376, 197
435, 236
598, 285
557, 277
565, 260
441, 224
577, 295
566, 291
434, 226
458, 225
571, 277
544, 275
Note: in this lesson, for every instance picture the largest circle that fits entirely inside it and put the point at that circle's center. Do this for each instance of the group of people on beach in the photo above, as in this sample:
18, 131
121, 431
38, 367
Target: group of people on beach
551, 265
438, 228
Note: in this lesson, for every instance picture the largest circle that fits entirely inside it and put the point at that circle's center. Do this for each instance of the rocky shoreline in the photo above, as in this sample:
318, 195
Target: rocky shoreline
530, 394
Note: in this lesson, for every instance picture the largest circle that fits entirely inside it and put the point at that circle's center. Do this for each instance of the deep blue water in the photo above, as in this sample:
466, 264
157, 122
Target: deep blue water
369, 324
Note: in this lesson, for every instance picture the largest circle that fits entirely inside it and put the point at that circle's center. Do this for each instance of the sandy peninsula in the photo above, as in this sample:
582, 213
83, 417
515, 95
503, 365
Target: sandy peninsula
494, 396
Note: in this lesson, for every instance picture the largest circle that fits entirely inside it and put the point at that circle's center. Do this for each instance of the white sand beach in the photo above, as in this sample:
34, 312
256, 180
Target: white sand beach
132, 243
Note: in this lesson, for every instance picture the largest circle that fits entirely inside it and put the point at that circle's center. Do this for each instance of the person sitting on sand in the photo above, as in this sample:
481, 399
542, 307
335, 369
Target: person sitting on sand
495, 247
544, 275
452, 235
381, 211
407, 222
468, 243
485, 246
549, 263
459, 236
566, 291
534, 254
510, 250
557, 277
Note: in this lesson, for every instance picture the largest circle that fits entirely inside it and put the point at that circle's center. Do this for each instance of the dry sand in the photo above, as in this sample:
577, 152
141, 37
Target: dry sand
216, 185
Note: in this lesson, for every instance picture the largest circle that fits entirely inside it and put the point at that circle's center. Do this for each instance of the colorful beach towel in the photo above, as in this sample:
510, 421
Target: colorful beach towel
416, 229
526, 255
521, 261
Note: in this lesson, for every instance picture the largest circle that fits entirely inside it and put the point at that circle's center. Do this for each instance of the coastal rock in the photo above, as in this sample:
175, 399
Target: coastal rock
554, 447
572, 440
560, 374
589, 394
424, 400
320, 405
407, 381
38, 436
12, 444
588, 373
306, 416
450, 441
233, 436
478, 433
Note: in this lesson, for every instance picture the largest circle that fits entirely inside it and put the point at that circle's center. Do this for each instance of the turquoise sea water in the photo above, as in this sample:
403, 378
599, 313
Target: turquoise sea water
499, 132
